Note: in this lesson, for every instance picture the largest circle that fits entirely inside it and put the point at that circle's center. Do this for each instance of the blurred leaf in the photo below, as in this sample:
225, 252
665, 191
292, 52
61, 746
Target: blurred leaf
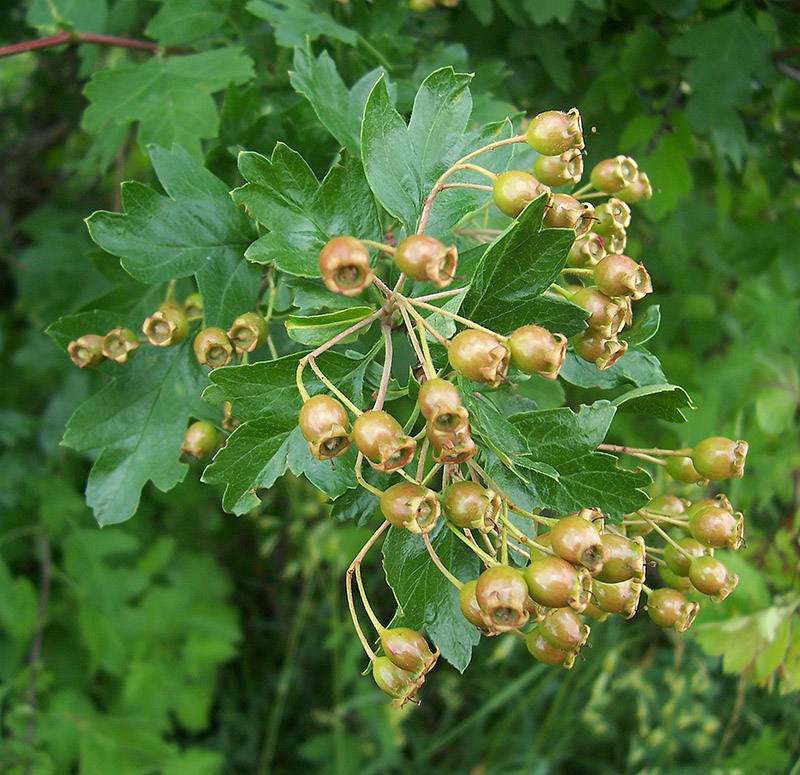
295, 21
184, 21
80, 15
666, 402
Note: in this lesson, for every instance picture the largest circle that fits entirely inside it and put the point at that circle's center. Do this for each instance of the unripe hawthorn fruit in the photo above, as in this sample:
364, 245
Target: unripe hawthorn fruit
425, 259
720, 500
562, 628
710, 576
514, 190
682, 469
468, 603
606, 315
559, 170
479, 356
200, 440
213, 348
672, 579
615, 241
542, 540
380, 438
625, 560
565, 212
677, 561
399, 684
468, 505
344, 266
618, 275
411, 507
577, 540
407, 649
167, 326
535, 350
668, 504
587, 250
595, 348
86, 351
554, 132
193, 306
717, 527
556, 583
119, 344
248, 332
640, 189
501, 593
325, 426
543, 651
621, 598
670, 608
451, 446
610, 175
440, 404
719, 458
611, 216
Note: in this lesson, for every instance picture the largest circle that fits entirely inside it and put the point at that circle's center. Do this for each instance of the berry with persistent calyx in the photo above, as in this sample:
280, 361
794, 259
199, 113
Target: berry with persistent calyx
672, 579
325, 426
556, 583
578, 541
679, 561
453, 446
611, 175
717, 527
621, 598
86, 351
670, 608
606, 315
562, 628
411, 507
468, 603
119, 344
640, 189
535, 350
167, 326
541, 547
399, 684
559, 170
625, 559
213, 348
468, 505
719, 458
618, 275
248, 332
193, 306
603, 351
440, 404
479, 356
611, 216
407, 649
380, 438
425, 259
344, 266
229, 422
682, 469
668, 504
502, 594
554, 132
616, 240
720, 499
200, 440
542, 650
565, 212
514, 190
587, 250
710, 576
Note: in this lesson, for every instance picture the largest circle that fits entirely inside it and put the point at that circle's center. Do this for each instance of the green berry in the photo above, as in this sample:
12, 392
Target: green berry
380, 438
554, 132
578, 541
535, 350
682, 469
479, 356
670, 608
710, 576
213, 348
119, 344
344, 266
411, 507
611, 175
407, 649
502, 594
514, 190
562, 628
86, 351
200, 440
566, 168
468, 505
606, 315
717, 527
468, 602
625, 559
621, 598
248, 332
595, 348
677, 561
542, 650
325, 426
556, 583
440, 404
167, 326
425, 259
719, 458
618, 275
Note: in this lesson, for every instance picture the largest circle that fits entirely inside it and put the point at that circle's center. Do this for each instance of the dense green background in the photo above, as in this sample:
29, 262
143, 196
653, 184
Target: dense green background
187, 641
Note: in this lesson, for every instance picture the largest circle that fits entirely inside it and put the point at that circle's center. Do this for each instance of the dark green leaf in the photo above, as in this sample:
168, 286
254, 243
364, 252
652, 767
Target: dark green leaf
81, 15
294, 22
426, 597
637, 367
517, 268
663, 401
645, 327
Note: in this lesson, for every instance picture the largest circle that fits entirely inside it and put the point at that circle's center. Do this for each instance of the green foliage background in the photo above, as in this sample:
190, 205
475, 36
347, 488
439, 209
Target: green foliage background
191, 642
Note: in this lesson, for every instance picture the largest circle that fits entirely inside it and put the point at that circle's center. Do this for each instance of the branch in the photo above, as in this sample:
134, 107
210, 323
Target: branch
65, 37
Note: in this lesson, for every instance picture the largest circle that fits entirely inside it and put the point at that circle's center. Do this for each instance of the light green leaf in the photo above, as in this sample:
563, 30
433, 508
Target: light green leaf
663, 401
427, 599
79, 15
184, 21
295, 21
315, 330
170, 98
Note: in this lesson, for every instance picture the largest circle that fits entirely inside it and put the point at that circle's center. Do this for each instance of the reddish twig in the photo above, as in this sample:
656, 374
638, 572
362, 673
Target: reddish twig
65, 37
